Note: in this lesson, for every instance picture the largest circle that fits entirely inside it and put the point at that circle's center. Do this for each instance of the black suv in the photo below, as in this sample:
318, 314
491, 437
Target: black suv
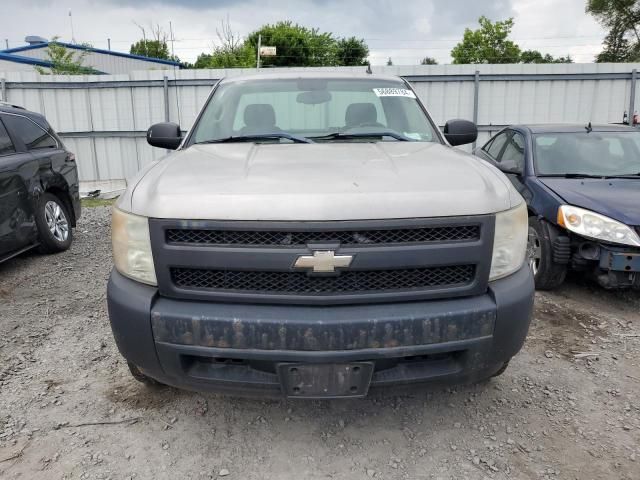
39, 190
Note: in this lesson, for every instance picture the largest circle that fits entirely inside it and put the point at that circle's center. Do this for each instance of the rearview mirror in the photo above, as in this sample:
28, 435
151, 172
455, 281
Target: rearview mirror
460, 132
164, 135
314, 97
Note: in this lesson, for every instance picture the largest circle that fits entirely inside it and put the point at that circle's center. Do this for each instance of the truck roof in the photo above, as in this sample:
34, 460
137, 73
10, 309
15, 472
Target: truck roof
288, 75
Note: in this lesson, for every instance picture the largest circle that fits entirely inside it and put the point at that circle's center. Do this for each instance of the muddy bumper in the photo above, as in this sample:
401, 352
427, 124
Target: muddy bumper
242, 348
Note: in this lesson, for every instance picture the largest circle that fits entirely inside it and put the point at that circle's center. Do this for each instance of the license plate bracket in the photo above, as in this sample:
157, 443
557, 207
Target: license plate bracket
331, 380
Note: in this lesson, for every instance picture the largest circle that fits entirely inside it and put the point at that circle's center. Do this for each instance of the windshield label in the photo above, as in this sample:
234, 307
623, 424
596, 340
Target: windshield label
394, 92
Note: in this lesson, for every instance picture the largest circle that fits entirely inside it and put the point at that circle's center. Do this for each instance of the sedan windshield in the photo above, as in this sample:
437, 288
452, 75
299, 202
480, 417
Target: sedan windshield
313, 111
594, 154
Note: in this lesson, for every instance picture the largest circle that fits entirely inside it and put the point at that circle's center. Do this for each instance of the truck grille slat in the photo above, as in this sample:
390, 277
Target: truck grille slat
344, 237
300, 283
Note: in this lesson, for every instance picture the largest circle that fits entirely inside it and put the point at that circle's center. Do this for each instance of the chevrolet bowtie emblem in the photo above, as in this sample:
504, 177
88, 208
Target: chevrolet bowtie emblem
323, 261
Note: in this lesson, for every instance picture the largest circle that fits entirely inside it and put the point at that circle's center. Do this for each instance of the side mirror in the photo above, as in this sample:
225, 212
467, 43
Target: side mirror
164, 135
509, 166
460, 132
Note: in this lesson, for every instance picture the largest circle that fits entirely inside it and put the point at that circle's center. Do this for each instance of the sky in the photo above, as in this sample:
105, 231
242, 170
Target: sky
405, 30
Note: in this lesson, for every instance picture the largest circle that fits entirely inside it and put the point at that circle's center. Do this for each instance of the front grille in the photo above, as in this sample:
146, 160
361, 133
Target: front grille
300, 283
344, 237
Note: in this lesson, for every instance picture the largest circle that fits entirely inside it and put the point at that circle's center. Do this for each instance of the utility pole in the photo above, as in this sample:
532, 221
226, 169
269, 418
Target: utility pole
6, 42
73, 37
259, 46
109, 43
173, 54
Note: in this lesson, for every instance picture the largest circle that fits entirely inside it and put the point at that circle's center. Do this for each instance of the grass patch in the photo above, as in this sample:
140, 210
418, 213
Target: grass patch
97, 202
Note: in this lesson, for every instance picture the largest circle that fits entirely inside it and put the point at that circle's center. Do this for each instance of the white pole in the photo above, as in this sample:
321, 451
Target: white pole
173, 53
259, 45
73, 37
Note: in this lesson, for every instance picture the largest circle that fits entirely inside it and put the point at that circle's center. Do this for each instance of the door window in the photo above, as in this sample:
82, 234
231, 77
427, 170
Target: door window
33, 136
495, 147
6, 146
514, 152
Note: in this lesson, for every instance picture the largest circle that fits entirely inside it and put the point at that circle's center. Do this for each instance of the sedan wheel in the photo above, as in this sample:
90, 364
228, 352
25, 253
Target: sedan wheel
56, 221
534, 251
546, 273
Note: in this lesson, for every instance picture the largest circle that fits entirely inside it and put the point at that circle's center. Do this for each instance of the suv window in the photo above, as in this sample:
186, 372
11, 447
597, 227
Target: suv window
495, 147
514, 152
33, 136
6, 146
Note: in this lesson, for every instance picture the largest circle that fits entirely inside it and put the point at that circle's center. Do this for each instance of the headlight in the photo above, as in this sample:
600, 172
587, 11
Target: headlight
593, 225
132, 247
510, 242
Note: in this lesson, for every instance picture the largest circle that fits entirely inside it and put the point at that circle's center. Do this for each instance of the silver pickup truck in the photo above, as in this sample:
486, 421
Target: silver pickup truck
315, 235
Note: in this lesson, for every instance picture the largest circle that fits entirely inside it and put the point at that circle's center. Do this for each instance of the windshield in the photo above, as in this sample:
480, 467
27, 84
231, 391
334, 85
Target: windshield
320, 110
596, 153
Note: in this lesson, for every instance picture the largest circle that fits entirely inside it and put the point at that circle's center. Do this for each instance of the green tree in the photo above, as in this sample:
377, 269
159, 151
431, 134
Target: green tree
154, 47
488, 44
230, 52
65, 61
534, 56
297, 46
621, 19
243, 57
351, 52
428, 61
389, 62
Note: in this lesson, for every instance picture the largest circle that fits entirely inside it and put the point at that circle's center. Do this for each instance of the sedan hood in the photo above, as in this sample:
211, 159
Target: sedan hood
316, 182
616, 198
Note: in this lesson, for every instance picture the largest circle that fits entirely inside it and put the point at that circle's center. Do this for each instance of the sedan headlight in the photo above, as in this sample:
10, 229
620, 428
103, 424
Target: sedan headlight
510, 242
596, 226
132, 247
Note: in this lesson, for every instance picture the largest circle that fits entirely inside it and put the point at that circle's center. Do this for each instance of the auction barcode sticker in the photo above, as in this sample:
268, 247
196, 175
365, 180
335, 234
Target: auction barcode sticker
394, 92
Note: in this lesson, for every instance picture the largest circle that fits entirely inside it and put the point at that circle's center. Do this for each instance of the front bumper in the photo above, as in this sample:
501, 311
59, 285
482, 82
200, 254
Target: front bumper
612, 266
237, 348
620, 267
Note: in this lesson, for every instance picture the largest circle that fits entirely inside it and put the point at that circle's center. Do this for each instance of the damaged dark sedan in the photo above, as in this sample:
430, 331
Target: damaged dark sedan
582, 187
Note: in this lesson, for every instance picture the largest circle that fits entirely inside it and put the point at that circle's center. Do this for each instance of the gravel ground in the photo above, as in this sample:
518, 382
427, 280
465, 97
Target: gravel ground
69, 408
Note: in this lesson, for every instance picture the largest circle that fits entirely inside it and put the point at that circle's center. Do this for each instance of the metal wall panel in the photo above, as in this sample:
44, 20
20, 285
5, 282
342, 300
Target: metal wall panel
7, 66
103, 62
103, 118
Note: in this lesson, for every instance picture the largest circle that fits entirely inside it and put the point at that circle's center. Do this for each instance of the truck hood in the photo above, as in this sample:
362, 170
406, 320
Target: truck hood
317, 182
615, 198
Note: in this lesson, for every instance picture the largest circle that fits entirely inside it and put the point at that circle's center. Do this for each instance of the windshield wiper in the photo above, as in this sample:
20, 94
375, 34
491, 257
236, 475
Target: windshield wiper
347, 135
626, 175
259, 136
573, 175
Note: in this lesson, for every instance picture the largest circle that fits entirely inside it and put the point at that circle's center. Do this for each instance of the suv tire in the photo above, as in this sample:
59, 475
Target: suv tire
54, 225
141, 377
503, 368
546, 273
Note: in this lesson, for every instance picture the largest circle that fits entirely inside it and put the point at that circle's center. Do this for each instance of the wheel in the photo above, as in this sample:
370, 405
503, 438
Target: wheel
141, 377
54, 228
546, 273
501, 371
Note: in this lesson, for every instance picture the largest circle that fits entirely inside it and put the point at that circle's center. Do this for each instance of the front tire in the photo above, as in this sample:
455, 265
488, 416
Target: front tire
546, 273
141, 377
54, 225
